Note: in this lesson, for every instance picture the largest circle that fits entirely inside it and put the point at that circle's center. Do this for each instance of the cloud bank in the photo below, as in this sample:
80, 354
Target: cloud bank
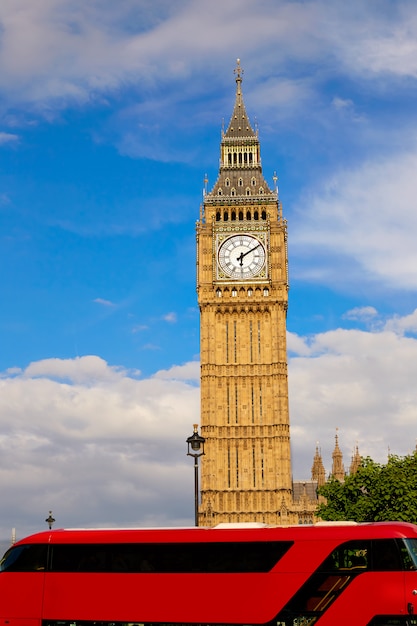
100, 446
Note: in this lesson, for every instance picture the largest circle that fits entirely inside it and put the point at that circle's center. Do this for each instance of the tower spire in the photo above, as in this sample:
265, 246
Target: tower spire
356, 461
338, 471
318, 472
240, 175
238, 71
239, 125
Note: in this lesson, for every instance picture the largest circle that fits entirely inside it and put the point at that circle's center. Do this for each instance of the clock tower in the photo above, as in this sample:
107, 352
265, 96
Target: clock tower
242, 285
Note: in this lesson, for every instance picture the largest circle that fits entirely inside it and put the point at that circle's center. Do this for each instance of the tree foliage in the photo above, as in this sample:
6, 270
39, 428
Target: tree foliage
375, 493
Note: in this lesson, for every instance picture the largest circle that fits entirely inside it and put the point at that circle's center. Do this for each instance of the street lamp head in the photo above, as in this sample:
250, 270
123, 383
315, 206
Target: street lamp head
195, 443
50, 520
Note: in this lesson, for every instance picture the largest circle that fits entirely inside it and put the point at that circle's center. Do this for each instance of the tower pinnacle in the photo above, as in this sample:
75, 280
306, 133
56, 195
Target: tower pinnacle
238, 71
240, 174
338, 471
239, 125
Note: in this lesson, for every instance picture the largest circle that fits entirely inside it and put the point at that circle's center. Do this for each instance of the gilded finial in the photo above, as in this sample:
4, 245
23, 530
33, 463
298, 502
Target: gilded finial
238, 71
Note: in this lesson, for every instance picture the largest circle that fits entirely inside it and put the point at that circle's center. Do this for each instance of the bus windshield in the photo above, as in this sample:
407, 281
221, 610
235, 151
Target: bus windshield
411, 545
25, 558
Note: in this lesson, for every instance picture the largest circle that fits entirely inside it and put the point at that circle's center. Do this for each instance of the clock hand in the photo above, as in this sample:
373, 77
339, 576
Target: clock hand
242, 255
240, 258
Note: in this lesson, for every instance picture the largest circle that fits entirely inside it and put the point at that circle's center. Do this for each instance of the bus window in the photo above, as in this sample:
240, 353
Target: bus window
352, 555
386, 556
327, 583
225, 557
25, 558
408, 549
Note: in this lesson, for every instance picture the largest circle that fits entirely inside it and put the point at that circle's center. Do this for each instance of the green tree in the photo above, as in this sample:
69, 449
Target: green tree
375, 493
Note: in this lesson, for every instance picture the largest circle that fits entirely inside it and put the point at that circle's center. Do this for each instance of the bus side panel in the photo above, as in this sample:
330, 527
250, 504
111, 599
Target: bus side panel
21, 595
369, 594
411, 591
243, 598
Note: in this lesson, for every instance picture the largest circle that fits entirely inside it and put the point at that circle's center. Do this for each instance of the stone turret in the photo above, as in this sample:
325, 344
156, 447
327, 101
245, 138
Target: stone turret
356, 461
318, 473
338, 470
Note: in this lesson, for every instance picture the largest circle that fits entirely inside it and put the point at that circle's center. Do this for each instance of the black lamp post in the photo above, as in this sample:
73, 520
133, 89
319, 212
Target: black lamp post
50, 520
195, 449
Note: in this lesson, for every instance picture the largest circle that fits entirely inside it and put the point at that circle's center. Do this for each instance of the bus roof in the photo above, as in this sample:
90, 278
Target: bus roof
223, 533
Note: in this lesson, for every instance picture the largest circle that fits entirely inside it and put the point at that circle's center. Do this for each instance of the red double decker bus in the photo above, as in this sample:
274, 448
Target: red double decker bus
329, 575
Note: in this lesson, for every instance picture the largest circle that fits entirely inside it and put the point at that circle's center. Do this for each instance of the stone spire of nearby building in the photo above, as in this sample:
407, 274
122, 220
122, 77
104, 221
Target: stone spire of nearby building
356, 461
318, 472
338, 471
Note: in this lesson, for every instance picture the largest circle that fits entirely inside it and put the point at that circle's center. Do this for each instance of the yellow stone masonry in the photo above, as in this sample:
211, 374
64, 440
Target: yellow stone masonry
242, 287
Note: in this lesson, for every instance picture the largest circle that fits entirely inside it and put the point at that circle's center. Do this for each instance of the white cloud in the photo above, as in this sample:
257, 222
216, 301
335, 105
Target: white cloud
7, 138
364, 220
85, 369
340, 103
104, 302
70, 50
190, 372
360, 382
403, 325
382, 42
297, 345
100, 446
170, 317
364, 313
139, 328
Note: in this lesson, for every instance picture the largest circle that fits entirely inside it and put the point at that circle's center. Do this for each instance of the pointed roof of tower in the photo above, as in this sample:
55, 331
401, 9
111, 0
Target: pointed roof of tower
356, 461
239, 125
338, 471
240, 179
318, 473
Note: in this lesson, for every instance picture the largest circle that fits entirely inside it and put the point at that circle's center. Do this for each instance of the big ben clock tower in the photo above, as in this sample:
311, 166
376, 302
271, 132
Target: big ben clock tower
242, 285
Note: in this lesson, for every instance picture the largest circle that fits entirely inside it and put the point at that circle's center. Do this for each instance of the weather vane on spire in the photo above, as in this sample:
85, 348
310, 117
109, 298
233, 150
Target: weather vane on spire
238, 71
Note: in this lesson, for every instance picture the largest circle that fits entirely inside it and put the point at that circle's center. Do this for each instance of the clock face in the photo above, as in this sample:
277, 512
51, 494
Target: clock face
241, 256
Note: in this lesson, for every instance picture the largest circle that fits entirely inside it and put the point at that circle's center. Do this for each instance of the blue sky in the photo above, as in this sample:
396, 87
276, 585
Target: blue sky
110, 118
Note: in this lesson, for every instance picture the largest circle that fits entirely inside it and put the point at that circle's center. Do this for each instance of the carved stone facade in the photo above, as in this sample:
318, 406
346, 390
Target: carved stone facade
242, 285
